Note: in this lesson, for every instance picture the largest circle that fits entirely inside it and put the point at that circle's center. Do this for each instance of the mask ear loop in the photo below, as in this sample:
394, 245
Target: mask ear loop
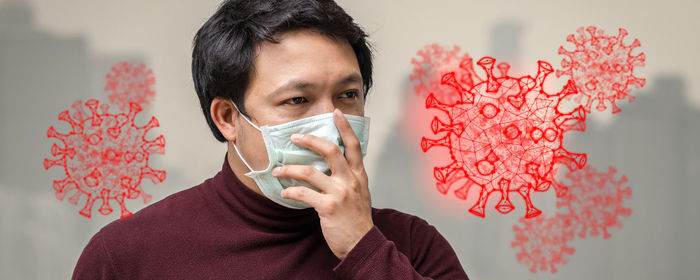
234, 144
244, 117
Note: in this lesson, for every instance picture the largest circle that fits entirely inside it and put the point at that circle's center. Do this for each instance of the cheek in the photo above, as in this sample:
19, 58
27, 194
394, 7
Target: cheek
253, 148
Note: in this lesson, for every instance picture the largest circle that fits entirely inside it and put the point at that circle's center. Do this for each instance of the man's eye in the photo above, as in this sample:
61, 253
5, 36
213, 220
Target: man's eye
295, 100
350, 94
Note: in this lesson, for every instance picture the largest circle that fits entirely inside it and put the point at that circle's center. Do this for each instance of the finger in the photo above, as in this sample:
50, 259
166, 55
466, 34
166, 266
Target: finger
304, 173
330, 151
305, 195
353, 151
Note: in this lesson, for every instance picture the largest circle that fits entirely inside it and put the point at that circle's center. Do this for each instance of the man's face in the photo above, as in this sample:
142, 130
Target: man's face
303, 75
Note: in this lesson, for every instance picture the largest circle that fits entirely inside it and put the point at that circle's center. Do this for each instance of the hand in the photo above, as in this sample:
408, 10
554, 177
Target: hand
343, 205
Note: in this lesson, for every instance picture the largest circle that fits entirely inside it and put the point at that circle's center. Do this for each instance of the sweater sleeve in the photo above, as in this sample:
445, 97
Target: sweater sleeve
94, 262
376, 257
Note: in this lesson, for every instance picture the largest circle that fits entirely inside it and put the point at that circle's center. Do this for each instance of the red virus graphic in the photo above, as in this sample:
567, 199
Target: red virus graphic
129, 83
592, 204
543, 242
431, 63
504, 135
594, 200
602, 67
106, 156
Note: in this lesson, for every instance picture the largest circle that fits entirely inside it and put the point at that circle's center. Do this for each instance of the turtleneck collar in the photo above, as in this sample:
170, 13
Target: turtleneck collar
256, 209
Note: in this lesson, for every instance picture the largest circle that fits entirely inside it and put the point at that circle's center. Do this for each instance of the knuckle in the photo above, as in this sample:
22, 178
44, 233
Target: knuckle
296, 192
343, 193
346, 127
331, 206
352, 143
289, 193
332, 149
307, 171
362, 172
357, 169
355, 186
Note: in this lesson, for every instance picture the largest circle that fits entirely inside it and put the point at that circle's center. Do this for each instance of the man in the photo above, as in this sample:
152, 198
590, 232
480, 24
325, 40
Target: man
283, 83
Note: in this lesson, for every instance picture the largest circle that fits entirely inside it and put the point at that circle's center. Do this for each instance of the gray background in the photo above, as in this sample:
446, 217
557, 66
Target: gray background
55, 52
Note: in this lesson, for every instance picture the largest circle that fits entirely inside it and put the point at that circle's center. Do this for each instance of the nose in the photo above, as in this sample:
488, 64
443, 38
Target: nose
323, 106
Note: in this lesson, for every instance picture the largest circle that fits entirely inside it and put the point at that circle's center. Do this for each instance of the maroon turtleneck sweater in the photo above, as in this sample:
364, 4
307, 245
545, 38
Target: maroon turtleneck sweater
221, 229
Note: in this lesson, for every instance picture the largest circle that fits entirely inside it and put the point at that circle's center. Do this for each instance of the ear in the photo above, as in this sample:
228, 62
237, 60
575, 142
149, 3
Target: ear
224, 116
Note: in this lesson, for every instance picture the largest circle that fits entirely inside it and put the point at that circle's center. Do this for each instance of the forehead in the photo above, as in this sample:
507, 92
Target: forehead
304, 44
302, 55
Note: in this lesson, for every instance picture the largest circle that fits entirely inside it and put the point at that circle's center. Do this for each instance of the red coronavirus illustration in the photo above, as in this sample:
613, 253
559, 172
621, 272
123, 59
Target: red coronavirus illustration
105, 156
434, 61
128, 83
602, 67
543, 242
504, 134
592, 204
594, 200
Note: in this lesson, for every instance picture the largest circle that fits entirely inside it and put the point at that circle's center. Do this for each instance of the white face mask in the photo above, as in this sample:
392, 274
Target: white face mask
281, 151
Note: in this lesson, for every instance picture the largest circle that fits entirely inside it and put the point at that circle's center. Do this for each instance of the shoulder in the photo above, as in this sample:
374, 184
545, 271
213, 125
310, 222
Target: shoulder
174, 207
391, 216
425, 247
124, 244
386, 217
402, 228
155, 224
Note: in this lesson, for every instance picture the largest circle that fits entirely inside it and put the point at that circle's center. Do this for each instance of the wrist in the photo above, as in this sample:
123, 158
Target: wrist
361, 233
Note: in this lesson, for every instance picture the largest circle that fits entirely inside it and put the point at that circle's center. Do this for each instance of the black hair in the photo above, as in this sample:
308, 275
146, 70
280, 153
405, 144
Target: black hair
224, 47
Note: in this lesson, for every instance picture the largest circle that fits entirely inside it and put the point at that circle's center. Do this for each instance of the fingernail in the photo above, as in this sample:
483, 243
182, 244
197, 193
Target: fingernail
275, 171
296, 136
338, 113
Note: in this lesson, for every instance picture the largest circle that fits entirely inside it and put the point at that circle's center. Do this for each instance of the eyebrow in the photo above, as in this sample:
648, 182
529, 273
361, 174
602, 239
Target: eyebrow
298, 84
352, 78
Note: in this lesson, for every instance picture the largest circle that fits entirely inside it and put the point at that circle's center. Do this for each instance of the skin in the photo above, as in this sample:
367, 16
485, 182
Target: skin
303, 75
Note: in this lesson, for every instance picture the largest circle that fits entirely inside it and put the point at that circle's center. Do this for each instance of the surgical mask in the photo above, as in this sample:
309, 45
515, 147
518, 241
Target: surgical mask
281, 151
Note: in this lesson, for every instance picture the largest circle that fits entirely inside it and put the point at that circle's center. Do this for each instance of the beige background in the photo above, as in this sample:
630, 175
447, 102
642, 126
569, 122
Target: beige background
55, 52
